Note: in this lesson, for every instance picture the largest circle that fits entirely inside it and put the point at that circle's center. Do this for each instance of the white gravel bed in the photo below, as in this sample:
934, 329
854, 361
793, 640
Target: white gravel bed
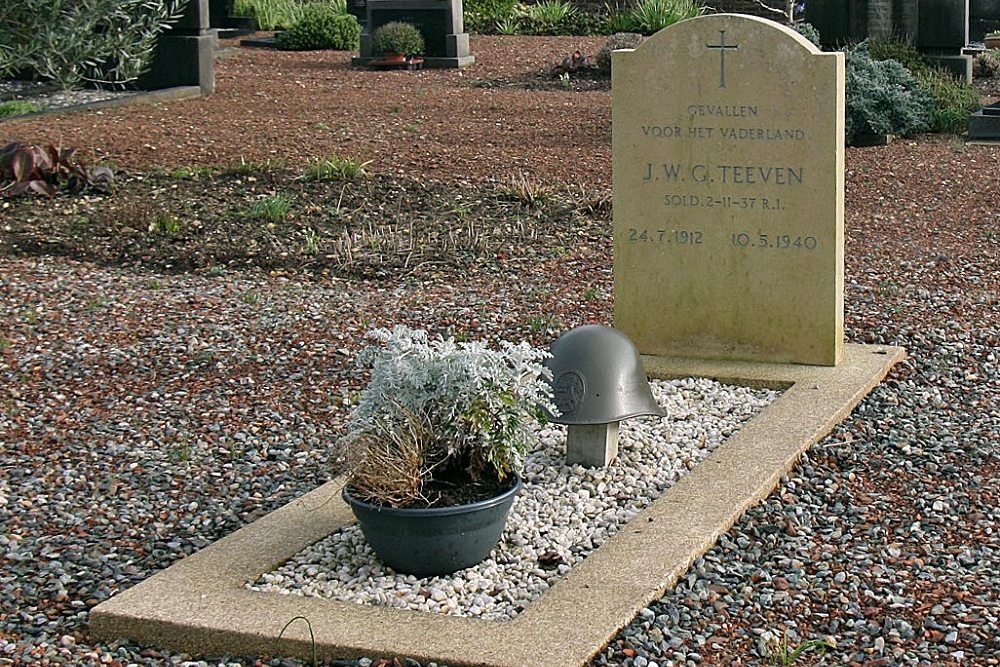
562, 514
46, 100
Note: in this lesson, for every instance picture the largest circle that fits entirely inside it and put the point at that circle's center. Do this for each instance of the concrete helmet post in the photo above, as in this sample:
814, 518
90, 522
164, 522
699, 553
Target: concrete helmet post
597, 381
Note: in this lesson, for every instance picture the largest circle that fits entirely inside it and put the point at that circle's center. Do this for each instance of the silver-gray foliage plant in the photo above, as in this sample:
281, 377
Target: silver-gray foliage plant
480, 401
76, 42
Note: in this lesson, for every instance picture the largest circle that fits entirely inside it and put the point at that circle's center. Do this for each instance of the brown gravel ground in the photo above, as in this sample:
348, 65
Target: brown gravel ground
224, 323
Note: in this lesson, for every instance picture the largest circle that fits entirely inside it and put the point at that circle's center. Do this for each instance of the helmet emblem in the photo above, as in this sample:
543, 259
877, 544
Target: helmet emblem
568, 391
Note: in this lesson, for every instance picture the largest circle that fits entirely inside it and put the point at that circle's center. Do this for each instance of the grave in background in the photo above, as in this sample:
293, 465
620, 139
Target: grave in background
937, 28
185, 53
728, 163
984, 17
440, 23
985, 123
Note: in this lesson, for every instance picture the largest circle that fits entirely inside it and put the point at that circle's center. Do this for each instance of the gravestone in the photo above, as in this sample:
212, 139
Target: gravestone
728, 163
185, 53
985, 123
944, 34
984, 17
440, 23
841, 22
221, 19
938, 28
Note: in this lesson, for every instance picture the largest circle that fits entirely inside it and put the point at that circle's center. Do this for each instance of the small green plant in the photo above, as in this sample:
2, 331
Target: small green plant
782, 652
250, 297
335, 168
509, 25
17, 108
190, 171
397, 37
312, 242
154, 284
180, 452
321, 26
216, 272
591, 294
96, 303
5, 343
543, 323
165, 224
273, 209
809, 31
526, 191
986, 65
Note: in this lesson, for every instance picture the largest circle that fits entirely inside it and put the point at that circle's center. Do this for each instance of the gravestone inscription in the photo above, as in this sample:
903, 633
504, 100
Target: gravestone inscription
728, 163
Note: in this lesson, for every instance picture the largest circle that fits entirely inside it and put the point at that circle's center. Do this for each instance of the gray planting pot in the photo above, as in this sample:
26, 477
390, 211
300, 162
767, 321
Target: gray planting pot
435, 540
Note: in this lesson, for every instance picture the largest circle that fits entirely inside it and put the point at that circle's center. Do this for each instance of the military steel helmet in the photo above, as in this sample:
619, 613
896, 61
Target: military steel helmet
597, 377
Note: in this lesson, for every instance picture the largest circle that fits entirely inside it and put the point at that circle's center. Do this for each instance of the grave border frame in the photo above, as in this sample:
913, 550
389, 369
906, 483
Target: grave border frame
200, 604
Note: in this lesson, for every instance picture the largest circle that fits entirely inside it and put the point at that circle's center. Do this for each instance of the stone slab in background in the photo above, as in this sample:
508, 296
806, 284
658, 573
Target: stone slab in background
440, 23
185, 53
985, 123
728, 163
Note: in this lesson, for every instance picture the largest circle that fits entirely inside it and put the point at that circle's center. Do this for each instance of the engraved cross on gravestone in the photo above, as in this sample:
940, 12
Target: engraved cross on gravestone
722, 48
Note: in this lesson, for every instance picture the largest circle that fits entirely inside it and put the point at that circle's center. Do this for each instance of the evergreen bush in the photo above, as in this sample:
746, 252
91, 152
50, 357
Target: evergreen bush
77, 42
883, 98
397, 37
809, 31
951, 99
323, 26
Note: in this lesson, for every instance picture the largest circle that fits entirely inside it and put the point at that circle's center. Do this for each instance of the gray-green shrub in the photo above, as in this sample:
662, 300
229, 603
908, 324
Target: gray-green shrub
73, 42
323, 26
883, 98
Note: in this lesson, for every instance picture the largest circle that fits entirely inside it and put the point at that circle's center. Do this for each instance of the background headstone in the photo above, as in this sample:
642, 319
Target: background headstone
938, 28
185, 53
440, 23
984, 17
728, 163
221, 19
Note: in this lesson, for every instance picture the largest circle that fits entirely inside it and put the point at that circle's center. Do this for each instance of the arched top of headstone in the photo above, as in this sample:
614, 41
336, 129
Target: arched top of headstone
735, 42
730, 21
